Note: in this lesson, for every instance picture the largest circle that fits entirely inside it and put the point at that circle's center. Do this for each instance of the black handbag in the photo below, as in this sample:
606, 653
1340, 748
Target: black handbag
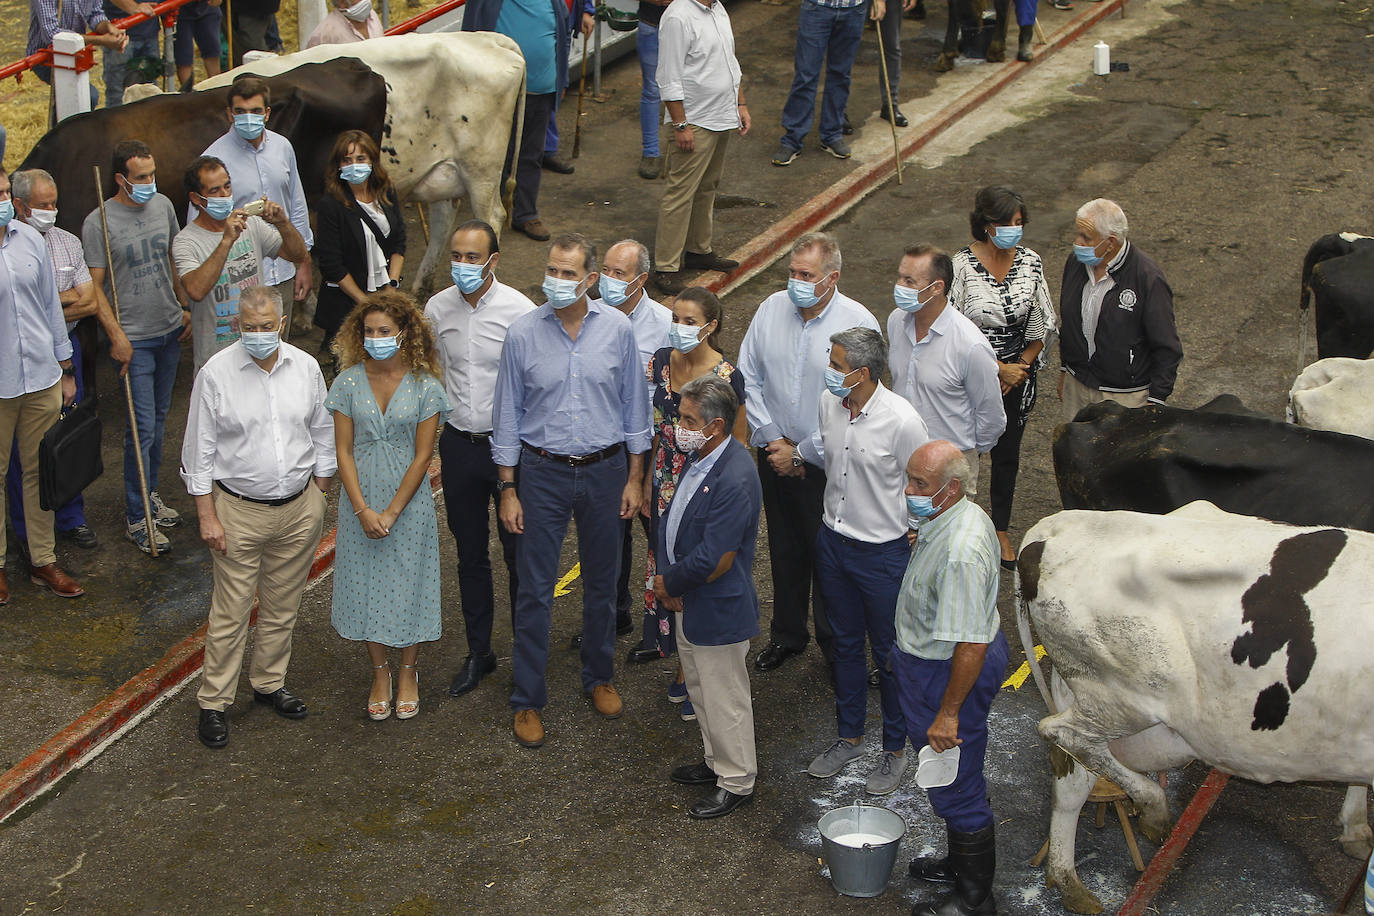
69, 456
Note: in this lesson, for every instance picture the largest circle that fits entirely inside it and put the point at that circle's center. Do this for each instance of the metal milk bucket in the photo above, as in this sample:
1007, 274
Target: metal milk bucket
860, 844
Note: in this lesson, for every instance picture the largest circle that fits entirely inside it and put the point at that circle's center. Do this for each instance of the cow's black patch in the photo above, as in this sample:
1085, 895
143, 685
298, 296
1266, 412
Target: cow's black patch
1028, 565
1278, 616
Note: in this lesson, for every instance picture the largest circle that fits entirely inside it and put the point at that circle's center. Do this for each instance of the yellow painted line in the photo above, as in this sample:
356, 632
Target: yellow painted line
1019, 676
561, 589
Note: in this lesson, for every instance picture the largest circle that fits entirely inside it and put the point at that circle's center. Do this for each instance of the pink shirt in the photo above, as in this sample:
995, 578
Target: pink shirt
337, 29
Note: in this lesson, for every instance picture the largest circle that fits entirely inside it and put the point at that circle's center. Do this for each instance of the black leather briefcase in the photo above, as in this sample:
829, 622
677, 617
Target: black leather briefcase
69, 456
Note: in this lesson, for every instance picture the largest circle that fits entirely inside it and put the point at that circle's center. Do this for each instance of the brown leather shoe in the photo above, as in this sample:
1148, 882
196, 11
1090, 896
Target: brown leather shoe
607, 701
4, 588
535, 229
62, 585
529, 730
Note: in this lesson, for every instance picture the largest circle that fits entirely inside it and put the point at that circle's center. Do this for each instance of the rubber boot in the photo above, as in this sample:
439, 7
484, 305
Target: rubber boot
929, 868
973, 856
1025, 39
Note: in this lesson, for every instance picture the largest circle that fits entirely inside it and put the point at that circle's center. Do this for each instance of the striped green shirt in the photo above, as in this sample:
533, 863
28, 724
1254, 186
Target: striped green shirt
949, 593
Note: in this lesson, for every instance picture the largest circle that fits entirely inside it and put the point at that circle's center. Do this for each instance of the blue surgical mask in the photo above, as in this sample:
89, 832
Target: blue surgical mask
802, 293
249, 126
355, 172
382, 347
908, 299
684, 338
922, 506
834, 381
6, 212
219, 207
613, 290
1005, 237
469, 277
561, 293
261, 344
1087, 254
141, 193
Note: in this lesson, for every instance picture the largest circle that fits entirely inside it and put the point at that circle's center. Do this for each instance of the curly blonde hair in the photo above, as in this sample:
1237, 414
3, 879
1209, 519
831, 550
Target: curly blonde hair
417, 340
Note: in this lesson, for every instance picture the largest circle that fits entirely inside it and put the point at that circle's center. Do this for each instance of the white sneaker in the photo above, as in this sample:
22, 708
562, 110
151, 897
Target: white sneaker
163, 515
138, 533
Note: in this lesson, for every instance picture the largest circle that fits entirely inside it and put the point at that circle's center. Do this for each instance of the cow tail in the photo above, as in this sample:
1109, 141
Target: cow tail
1023, 627
508, 191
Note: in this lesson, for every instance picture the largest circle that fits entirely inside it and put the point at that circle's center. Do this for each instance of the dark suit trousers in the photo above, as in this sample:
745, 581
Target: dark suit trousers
539, 107
793, 506
469, 477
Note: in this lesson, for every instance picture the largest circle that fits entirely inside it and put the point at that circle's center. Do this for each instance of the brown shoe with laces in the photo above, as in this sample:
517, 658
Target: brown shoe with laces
62, 585
529, 730
607, 701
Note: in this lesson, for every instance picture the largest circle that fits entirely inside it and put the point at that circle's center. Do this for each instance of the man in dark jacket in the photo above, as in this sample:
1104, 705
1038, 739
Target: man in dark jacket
706, 550
1118, 340
543, 30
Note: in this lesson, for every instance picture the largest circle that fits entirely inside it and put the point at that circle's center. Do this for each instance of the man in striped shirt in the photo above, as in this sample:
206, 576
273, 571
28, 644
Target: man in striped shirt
948, 660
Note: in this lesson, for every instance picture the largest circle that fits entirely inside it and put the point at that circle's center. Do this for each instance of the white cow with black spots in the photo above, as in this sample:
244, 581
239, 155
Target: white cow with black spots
1335, 394
1196, 635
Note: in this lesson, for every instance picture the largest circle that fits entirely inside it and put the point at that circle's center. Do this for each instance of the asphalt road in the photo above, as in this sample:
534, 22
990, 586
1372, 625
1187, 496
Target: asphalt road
1239, 135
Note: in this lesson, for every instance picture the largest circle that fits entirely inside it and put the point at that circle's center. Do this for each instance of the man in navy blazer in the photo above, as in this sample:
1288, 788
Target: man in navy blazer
706, 546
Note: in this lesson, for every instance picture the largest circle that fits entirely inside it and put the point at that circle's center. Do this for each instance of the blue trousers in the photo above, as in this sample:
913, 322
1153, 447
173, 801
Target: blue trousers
1025, 11
551, 134
829, 37
67, 517
142, 43
921, 683
152, 373
551, 494
860, 582
646, 41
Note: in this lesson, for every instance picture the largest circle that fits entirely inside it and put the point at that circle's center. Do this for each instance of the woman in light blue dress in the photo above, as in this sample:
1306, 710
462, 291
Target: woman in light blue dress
388, 405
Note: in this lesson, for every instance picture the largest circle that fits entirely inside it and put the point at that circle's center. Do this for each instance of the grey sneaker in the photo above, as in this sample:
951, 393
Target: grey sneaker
836, 758
650, 167
163, 515
887, 776
838, 148
138, 533
785, 155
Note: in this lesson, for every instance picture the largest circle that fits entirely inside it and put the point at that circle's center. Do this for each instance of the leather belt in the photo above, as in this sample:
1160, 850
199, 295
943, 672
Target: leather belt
263, 502
479, 438
575, 461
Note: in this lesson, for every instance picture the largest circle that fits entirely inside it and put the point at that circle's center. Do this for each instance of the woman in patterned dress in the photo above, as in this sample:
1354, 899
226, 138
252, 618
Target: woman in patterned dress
388, 405
695, 351
1000, 285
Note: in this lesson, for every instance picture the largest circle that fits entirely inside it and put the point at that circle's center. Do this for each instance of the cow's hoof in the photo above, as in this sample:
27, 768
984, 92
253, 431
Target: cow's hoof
1080, 900
944, 63
1357, 848
997, 52
1155, 829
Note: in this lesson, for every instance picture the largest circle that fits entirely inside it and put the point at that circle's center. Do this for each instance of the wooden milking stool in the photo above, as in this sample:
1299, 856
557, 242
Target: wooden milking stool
1104, 793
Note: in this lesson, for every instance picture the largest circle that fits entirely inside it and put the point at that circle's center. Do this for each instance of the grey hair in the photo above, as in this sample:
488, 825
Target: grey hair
714, 396
863, 348
955, 467
1106, 216
22, 183
829, 249
642, 260
257, 296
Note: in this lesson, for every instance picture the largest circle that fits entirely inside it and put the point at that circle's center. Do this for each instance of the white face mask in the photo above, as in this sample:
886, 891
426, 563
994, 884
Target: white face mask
689, 440
359, 11
42, 220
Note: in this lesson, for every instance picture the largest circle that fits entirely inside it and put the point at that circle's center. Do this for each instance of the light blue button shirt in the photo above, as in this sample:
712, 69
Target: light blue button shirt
33, 336
569, 397
682, 497
784, 359
268, 170
650, 321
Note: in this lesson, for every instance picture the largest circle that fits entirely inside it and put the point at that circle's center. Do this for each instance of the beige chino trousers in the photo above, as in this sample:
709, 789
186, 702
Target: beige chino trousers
718, 686
28, 417
687, 213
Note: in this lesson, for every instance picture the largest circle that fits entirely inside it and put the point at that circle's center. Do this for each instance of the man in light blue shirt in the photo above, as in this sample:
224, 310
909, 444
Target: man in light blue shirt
36, 379
784, 357
570, 412
263, 164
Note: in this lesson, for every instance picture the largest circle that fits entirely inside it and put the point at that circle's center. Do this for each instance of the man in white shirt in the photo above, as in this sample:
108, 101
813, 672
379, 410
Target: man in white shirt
784, 357
470, 320
263, 164
257, 434
624, 274
941, 362
867, 435
699, 82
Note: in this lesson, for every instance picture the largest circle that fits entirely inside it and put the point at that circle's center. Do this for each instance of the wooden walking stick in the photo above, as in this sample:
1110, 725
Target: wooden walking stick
581, 89
228, 32
891, 109
128, 388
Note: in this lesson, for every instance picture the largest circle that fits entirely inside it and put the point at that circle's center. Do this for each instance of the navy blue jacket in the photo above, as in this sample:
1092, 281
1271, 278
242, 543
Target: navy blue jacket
723, 516
481, 16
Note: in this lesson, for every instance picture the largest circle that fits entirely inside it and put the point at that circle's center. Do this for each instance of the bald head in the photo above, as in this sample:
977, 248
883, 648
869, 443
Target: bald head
935, 467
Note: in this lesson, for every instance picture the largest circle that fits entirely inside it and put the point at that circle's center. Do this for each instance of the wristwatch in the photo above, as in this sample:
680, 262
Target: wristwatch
796, 457
504, 485
394, 284
680, 127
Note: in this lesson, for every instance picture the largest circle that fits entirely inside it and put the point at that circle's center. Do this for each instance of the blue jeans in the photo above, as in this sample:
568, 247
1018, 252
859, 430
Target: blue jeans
860, 582
65, 518
551, 493
142, 43
152, 373
921, 683
551, 134
646, 40
829, 36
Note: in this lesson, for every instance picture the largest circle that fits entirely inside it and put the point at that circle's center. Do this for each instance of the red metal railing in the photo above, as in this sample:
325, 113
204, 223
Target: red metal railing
415, 22
166, 11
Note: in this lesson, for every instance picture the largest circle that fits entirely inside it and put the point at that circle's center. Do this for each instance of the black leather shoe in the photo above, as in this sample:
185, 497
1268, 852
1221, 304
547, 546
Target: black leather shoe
709, 261
694, 774
213, 730
640, 655
624, 626
773, 656
552, 162
875, 678
284, 702
470, 675
900, 119
82, 536
575, 642
669, 282
718, 804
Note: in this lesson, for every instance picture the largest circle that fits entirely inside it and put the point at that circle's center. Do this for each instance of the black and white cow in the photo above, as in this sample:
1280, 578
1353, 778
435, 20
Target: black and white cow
1197, 635
1335, 394
1338, 273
